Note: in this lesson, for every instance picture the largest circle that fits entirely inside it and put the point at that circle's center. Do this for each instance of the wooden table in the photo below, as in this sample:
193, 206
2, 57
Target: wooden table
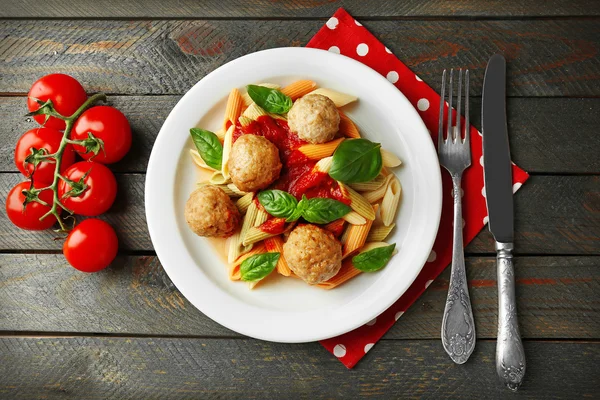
128, 333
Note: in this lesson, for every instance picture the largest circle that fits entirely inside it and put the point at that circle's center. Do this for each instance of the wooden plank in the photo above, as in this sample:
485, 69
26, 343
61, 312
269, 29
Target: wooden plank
554, 215
41, 293
557, 135
546, 57
153, 368
294, 9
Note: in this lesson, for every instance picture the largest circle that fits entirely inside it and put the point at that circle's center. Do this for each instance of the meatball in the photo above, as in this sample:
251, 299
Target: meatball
210, 212
253, 163
313, 254
314, 118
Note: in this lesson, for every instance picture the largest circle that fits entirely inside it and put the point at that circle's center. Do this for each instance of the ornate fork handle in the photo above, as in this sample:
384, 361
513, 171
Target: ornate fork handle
458, 326
510, 357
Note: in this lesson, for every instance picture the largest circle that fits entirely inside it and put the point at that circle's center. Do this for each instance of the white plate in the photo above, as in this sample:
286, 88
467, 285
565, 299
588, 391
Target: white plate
283, 309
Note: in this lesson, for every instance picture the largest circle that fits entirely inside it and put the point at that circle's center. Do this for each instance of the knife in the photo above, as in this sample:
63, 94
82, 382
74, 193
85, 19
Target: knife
510, 357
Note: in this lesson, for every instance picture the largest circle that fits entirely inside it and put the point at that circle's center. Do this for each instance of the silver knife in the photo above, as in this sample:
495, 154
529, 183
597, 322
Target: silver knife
510, 357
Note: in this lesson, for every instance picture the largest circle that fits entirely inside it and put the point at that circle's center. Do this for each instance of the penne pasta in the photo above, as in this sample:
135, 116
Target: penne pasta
199, 161
275, 245
377, 194
323, 165
261, 217
320, 151
247, 223
298, 89
255, 235
347, 127
369, 186
379, 232
227, 144
220, 134
254, 111
217, 178
390, 202
244, 202
234, 267
354, 218
374, 245
233, 247
357, 236
236, 192
340, 99
245, 121
248, 100
346, 273
357, 202
390, 160
233, 108
336, 227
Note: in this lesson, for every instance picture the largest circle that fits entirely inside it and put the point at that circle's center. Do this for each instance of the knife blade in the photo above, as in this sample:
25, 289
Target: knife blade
510, 356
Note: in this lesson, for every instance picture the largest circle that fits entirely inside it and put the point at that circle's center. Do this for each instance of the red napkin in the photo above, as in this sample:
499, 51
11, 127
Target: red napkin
344, 35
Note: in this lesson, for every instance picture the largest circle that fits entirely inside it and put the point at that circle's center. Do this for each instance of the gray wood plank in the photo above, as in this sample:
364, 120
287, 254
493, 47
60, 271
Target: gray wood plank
293, 9
152, 368
554, 215
546, 57
41, 293
557, 135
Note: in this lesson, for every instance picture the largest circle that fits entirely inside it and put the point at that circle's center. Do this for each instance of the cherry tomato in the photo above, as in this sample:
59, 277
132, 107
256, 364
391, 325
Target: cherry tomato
91, 246
66, 93
29, 218
108, 124
42, 138
95, 195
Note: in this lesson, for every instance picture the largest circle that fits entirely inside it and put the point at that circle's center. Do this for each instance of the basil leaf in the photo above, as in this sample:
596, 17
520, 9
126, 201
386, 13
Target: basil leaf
297, 212
278, 203
374, 259
258, 266
356, 160
271, 100
209, 147
322, 211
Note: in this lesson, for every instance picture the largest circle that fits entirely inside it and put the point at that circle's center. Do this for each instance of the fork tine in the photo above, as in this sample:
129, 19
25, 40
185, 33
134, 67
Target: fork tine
467, 126
450, 136
458, 108
441, 126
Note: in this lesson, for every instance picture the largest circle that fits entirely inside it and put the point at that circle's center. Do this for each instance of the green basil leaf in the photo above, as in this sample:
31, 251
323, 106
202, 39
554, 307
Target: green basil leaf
209, 147
278, 203
374, 259
297, 212
258, 266
356, 160
322, 211
271, 100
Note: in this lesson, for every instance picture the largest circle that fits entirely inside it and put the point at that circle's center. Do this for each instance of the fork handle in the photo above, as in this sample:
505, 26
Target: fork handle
458, 325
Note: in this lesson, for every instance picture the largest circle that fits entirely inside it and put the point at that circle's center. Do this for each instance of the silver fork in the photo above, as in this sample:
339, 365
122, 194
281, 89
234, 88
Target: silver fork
458, 326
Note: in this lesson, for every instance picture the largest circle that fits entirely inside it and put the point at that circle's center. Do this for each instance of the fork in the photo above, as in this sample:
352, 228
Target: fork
458, 326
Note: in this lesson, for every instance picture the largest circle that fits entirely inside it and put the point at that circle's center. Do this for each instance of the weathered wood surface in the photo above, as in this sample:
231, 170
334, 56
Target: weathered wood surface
294, 8
550, 135
155, 368
41, 293
546, 57
554, 215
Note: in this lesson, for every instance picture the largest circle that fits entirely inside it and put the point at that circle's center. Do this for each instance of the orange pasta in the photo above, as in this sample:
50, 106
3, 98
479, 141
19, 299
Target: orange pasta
275, 244
357, 236
234, 108
298, 89
319, 151
336, 227
347, 127
346, 273
234, 269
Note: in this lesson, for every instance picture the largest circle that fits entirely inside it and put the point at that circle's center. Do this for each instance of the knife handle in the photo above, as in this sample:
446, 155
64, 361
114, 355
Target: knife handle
510, 357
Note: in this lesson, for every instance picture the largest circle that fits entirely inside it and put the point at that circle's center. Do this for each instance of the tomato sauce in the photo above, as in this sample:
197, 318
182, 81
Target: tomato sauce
274, 226
296, 175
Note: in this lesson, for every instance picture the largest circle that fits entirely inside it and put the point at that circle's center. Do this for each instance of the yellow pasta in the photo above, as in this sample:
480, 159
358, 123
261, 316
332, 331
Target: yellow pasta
217, 178
220, 134
377, 194
340, 99
390, 202
236, 192
248, 222
255, 235
357, 236
199, 161
323, 165
254, 111
357, 202
248, 100
374, 245
261, 217
347, 126
233, 109
390, 160
379, 232
244, 202
234, 268
320, 151
354, 218
245, 121
346, 273
233, 247
227, 144
298, 89
369, 186
275, 245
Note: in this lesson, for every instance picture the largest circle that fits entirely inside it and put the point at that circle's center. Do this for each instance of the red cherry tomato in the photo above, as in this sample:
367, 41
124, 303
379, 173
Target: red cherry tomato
108, 124
29, 218
66, 93
97, 193
39, 138
91, 246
